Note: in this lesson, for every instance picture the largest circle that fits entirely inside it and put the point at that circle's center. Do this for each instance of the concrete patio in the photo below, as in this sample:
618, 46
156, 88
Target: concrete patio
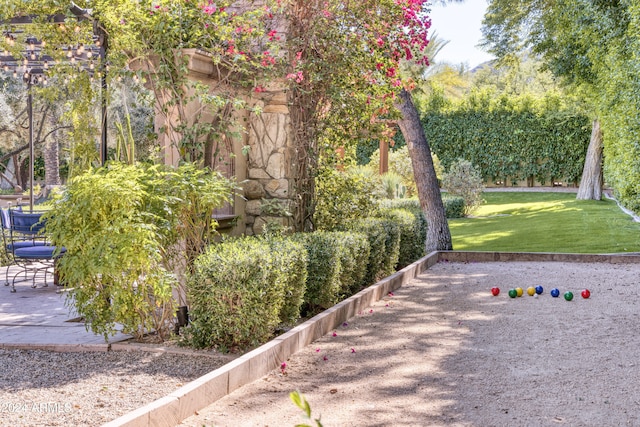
38, 318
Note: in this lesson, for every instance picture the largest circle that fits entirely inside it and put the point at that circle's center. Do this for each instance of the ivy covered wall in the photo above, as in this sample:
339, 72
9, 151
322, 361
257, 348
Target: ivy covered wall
513, 147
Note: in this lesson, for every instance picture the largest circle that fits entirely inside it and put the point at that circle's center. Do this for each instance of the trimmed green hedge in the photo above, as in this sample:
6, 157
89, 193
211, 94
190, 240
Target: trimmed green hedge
453, 206
374, 229
292, 260
237, 293
413, 234
507, 144
353, 260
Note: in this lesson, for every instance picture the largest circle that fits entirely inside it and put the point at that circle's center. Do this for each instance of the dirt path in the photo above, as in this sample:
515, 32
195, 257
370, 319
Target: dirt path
443, 352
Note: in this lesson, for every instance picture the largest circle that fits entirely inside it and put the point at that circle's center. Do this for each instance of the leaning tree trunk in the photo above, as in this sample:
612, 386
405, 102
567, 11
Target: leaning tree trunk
438, 234
591, 182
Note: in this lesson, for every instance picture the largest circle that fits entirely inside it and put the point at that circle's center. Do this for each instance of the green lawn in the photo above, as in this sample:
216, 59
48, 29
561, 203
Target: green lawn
545, 222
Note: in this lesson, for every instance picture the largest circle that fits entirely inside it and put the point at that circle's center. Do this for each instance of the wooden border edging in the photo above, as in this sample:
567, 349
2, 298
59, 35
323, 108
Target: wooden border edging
198, 394
192, 397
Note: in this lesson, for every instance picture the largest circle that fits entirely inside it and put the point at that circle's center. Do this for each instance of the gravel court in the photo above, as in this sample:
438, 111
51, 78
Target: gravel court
443, 351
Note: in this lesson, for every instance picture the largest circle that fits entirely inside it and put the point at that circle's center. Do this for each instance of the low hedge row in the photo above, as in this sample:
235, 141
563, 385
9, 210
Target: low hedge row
243, 289
453, 205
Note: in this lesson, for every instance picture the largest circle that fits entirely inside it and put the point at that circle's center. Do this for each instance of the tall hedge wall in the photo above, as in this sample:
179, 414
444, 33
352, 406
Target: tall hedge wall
514, 145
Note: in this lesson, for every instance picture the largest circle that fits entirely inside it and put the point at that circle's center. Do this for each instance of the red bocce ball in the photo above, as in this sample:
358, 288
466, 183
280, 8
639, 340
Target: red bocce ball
585, 294
495, 291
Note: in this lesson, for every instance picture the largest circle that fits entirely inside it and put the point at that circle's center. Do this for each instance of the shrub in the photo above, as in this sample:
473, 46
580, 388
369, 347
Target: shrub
453, 206
118, 224
292, 259
323, 269
464, 180
391, 246
413, 234
342, 197
237, 291
353, 260
392, 186
374, 229
400, 164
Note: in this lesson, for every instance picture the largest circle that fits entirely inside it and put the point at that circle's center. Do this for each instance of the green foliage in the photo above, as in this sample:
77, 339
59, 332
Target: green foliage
237, 292
392, 186
413, 233
400, 164
113, 265
301, 402
342, 197
391, 246
511, 138
453, 206
128, 229
376, 231
354, 256
291, 257
324, 268
464, 180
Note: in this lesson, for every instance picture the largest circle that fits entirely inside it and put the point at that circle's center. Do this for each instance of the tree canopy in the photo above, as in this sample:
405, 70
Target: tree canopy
591, 45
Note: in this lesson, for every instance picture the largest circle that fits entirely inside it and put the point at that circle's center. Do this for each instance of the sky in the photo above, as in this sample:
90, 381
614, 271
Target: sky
460, 24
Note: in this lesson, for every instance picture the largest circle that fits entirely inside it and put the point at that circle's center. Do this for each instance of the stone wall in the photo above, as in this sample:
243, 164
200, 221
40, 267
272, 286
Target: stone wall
263, 153
270, 187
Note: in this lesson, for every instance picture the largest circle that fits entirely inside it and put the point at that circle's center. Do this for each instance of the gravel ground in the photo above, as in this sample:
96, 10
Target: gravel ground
39, 388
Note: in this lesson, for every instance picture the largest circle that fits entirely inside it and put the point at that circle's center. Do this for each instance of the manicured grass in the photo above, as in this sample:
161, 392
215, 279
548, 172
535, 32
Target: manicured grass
545, 222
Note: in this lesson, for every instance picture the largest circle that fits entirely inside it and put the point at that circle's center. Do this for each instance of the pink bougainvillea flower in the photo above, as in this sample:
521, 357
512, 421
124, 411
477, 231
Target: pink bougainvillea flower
370, 311
317, 350
283, 366
345, 324
325, 358
390, 294
353, 350
335, 334
259, 89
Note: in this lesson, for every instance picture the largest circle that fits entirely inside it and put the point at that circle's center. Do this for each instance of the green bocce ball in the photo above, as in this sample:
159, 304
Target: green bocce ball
568, 296
513, 293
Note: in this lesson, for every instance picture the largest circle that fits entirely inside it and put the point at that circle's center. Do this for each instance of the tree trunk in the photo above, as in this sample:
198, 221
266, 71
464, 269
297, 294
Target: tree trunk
51, 154
591, 182
438, 234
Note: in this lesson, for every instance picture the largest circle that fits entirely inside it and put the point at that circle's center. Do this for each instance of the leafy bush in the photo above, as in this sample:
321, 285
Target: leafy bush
400, 164
453, 206
237, 292
113, 266
374, 229
353, 260
464, 180
413, 234
123, 227
292, 259
392, 186
391, 246
343, 196
324, 268
511, 138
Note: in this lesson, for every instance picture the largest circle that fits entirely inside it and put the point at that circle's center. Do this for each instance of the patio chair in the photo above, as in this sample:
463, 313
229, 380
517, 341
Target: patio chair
29, 248
5, 221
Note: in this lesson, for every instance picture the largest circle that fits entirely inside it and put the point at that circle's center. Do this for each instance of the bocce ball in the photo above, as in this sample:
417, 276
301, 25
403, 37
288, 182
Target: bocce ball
531, 291
513, 293
585, 293
495, 291
519, 291
555, 292
568, 296
539, 290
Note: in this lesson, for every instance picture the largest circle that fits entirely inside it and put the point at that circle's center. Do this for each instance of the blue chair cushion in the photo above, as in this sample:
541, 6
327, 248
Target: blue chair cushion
38, 252
25, 244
